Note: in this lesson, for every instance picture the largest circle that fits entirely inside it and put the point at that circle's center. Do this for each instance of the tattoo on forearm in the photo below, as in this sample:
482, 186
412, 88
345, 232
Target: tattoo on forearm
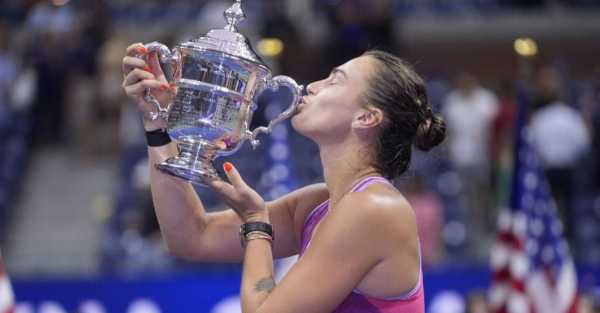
266, 284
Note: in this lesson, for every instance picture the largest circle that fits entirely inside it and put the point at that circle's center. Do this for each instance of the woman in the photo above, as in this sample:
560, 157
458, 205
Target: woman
356, 233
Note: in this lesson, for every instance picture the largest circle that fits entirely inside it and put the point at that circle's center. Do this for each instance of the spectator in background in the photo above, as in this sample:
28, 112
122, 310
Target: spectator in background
560, 137
429, 213
8, 69
129, 132
90, 120
470, 111
50, 28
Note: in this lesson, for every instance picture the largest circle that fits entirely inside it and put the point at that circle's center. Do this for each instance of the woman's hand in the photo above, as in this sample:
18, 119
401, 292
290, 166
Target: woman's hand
138, 76
245, 201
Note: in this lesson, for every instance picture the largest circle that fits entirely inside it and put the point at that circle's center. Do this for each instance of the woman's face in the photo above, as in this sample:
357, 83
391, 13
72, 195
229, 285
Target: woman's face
326, 113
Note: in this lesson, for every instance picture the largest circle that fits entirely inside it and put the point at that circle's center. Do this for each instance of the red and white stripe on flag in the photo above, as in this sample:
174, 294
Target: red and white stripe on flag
7, 298
520, 285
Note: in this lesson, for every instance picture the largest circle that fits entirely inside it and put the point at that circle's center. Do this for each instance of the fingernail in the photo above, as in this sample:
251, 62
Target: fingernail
164, 87
142, 49
147, 69
227, 166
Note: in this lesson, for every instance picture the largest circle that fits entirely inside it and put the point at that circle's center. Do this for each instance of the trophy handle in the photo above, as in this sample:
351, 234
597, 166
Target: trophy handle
170, 64
274, 84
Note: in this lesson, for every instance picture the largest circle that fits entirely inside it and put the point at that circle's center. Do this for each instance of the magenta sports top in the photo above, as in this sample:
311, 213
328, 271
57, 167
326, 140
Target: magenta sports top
356, 302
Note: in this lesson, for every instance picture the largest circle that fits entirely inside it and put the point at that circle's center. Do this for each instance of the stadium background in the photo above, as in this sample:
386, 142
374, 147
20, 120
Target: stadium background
77, 230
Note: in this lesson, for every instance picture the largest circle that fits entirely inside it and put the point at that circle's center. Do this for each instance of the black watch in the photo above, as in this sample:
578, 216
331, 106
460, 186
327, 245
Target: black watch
157, 138
255, 226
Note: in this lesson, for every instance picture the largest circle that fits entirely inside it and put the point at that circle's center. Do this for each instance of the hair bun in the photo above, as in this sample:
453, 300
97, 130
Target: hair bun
430, 133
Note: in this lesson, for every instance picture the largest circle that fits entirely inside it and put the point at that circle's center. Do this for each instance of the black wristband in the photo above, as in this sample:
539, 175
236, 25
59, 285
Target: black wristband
256, 226
157, 138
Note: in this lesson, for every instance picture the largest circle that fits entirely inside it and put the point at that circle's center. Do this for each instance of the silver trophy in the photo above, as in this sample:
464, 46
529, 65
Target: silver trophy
218, 78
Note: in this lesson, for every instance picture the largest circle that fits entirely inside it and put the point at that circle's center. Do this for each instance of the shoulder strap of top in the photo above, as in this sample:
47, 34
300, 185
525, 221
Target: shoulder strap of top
315, 210
364, 183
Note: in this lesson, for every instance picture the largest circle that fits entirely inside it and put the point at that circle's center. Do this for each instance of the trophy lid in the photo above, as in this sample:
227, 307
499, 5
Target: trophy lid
228, 39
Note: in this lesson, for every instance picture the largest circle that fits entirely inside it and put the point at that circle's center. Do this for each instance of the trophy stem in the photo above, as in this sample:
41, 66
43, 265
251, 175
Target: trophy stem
194, 162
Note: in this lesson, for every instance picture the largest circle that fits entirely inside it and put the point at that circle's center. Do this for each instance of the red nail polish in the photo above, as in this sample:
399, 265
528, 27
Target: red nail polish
142, 49
164, 87
147, 69
227, 166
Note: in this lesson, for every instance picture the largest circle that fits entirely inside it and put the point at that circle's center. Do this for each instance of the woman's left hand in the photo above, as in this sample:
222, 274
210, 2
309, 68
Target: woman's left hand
245, 201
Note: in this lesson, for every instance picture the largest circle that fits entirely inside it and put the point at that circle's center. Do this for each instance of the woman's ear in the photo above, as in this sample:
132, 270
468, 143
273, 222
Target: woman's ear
368, 118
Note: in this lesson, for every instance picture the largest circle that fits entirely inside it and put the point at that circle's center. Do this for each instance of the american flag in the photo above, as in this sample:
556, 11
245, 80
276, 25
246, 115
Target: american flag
533, 271
7, 299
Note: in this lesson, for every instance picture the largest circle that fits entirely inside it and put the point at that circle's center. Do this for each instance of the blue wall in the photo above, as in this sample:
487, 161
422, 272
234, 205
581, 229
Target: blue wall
200, 292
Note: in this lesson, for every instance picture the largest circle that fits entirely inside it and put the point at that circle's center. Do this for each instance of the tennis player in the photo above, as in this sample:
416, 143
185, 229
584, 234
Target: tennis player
355, 233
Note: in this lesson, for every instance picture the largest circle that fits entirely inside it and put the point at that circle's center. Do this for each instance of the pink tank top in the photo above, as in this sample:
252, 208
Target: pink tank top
410, 302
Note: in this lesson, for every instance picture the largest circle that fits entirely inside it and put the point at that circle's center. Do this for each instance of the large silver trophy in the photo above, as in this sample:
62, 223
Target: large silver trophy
218, 78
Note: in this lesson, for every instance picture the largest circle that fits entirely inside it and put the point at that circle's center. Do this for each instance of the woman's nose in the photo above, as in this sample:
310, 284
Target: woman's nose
311, 89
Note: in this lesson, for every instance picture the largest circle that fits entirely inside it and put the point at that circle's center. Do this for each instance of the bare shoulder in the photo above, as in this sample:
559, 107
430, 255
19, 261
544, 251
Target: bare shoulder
381, 210
380, 223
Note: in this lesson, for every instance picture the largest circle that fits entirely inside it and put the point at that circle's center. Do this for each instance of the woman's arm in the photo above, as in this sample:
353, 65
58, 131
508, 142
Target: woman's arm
192, 233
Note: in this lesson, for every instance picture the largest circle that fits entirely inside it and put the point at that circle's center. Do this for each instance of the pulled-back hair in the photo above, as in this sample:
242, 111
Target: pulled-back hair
397, 90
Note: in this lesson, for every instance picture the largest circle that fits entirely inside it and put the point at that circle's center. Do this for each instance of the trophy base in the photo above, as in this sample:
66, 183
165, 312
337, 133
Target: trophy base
194, 162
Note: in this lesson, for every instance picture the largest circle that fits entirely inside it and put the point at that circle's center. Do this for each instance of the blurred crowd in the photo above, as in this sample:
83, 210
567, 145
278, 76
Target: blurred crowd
60, 62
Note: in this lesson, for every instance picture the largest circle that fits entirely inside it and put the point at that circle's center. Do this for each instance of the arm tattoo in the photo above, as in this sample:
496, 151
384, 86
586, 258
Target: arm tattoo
266, 284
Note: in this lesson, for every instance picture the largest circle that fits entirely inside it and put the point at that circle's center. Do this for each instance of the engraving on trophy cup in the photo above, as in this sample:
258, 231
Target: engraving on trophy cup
218, 79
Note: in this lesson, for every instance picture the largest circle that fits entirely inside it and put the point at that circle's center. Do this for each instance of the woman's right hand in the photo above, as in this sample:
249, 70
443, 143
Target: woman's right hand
138, 76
